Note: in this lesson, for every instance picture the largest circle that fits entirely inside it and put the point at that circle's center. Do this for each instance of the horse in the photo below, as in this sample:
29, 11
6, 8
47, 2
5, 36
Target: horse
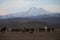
16, 30
3, 30
31, 30
41, 29
48, 29
52, 29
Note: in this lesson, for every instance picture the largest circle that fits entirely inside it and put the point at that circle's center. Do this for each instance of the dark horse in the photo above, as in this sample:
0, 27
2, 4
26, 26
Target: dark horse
3, 30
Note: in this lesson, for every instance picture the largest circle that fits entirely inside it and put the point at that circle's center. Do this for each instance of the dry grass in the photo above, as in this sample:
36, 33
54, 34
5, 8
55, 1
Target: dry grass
31, 36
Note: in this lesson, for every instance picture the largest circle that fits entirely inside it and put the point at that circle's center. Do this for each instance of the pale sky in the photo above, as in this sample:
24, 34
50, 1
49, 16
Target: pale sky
14, 6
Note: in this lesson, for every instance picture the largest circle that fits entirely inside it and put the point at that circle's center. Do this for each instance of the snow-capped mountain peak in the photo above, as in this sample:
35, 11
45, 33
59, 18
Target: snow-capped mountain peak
30, 12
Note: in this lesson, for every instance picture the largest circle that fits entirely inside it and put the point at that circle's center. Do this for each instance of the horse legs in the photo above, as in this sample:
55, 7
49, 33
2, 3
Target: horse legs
4, 32
1, 31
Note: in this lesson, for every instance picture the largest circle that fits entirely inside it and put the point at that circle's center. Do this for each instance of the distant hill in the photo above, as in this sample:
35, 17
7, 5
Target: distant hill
19, 23
26, 22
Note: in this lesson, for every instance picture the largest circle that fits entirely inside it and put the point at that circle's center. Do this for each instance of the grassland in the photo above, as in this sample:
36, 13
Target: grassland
31, 36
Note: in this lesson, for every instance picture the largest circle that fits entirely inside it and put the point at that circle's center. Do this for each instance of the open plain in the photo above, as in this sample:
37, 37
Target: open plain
36, 35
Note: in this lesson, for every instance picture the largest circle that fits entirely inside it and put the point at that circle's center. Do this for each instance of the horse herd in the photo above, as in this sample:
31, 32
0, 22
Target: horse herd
30, 30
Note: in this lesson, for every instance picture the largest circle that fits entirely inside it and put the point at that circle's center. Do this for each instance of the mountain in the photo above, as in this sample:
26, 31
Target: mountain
30, 12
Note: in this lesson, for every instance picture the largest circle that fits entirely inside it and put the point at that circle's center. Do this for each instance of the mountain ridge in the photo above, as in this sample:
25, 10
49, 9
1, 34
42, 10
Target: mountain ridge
46, 16
30, 12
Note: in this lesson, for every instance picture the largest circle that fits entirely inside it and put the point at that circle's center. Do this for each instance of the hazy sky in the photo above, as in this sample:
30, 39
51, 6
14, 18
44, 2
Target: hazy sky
12, 6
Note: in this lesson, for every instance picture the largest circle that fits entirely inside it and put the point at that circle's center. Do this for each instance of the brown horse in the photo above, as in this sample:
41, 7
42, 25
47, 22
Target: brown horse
3, 30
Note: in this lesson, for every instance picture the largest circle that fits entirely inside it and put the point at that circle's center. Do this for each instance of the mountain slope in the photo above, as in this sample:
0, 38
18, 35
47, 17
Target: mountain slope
30, 12
31, 15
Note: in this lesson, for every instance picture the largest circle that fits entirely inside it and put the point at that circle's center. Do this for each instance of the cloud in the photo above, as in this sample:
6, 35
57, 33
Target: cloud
13, 6
51, 8
3, 12
45, 1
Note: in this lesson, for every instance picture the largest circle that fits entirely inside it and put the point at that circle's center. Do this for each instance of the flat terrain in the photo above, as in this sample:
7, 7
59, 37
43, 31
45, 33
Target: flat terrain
31, 36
